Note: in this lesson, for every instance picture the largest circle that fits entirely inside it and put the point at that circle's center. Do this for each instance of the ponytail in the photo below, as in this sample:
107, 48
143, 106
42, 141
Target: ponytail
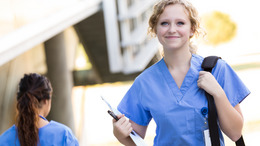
27, 120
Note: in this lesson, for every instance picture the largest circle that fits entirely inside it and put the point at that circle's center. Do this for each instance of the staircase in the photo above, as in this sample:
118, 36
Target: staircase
115, 39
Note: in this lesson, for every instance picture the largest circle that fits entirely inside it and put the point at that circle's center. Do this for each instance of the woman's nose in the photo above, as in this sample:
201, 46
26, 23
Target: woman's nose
172, 28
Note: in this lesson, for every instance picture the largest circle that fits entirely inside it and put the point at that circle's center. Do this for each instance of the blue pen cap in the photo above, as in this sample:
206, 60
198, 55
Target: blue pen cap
204, 111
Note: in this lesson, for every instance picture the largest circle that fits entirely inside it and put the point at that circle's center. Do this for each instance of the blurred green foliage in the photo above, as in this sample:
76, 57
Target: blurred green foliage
246, 66
219, 27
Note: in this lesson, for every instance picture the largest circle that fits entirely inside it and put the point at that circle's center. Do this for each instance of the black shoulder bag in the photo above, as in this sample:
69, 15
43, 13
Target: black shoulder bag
208, 64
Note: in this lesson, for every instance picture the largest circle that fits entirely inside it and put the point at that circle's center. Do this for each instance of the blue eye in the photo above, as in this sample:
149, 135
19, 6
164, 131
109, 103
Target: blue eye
180, 23
164, 23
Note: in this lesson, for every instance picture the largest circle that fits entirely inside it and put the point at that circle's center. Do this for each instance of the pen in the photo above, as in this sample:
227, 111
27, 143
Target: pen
113, 115
116, 118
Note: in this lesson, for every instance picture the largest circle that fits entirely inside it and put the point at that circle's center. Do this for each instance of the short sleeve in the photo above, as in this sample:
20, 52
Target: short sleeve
131, 105
235, 89
70, 139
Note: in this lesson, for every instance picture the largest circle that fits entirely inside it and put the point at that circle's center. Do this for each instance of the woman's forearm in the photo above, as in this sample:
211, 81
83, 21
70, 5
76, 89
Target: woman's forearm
127, 141
230, 118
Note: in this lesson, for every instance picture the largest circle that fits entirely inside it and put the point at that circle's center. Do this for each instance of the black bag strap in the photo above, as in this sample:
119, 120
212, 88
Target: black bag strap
208, 64
240, 141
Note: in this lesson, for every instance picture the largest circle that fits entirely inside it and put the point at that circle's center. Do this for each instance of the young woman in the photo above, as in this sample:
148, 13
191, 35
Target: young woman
172, 91
32, 128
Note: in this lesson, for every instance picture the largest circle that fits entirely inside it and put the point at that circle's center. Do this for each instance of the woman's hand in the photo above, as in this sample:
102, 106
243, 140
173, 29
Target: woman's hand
230, 118
208, 82
122, 128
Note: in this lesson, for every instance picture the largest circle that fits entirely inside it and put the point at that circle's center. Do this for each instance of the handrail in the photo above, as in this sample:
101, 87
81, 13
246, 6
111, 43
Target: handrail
137, 48
136, 9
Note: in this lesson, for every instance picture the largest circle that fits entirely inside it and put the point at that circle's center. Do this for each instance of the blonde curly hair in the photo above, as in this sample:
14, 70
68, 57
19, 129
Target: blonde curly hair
192, 13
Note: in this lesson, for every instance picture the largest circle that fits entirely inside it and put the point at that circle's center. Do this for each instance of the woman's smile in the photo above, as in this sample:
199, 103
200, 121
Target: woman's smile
172, 37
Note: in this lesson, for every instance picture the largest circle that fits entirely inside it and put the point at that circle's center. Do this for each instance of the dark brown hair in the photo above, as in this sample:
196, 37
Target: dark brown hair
33, 88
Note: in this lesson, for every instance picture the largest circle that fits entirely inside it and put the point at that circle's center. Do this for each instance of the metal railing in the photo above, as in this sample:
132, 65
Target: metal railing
132, 50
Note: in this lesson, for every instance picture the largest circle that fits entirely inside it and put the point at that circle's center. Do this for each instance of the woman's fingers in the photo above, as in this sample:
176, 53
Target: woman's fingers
122, 127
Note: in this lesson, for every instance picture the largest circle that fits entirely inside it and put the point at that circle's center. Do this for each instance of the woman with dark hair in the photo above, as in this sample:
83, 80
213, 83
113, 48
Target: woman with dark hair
31, 127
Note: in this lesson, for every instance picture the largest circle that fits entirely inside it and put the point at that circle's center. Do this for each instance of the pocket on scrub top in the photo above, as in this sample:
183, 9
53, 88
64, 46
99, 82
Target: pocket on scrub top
181, 120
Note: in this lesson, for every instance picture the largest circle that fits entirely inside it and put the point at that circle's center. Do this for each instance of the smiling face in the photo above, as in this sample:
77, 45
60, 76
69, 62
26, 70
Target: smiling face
173, 28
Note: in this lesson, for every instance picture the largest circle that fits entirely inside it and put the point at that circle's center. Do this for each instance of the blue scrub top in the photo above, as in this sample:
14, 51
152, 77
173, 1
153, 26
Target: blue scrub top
177, 112
52, 134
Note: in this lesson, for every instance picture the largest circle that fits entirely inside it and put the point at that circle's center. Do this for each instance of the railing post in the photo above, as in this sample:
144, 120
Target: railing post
112, 36
134, 41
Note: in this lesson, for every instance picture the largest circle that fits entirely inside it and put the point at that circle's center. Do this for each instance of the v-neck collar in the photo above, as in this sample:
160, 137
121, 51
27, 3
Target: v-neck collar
190, 77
